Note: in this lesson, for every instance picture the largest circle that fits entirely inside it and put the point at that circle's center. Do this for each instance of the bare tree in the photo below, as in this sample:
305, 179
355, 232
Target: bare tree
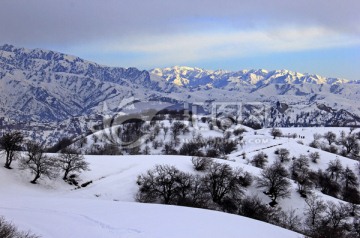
191, 148
183, 187
274, 179
315, 156
300, 173
11, 142
71, 161
314, 211
349, 178
283, 154
335, 169
177, 128
254, 208
336, 214
259, 160
299, 165
201, 163
220, 181
291, 221
315, 144
159, 183
168, 185
38, 163
327, 184
333, 223
169, 149
275, 132
330, 137
350, 143
197, 195
33, 149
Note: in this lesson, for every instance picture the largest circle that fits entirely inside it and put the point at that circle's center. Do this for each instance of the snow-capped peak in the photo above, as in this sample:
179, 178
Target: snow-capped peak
192, 76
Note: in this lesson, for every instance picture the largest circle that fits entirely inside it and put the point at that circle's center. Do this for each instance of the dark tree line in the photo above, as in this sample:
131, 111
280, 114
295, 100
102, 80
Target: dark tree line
37, 161
329, 219
42, 165
220, 187
347, 145
123, 139
210, 147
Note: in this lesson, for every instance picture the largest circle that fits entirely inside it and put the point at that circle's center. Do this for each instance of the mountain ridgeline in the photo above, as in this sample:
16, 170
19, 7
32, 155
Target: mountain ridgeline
43, 86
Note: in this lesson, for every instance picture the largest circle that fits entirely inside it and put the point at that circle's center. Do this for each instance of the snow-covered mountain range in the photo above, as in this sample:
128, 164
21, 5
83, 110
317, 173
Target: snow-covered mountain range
194, 77
46, 86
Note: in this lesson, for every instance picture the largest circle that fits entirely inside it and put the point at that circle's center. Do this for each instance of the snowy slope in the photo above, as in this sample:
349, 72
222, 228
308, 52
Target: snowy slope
253, 142
53, 209
58, 218
106, 207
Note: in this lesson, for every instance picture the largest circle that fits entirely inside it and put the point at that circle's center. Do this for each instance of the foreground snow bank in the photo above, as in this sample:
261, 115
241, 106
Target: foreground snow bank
106, 208
59, 217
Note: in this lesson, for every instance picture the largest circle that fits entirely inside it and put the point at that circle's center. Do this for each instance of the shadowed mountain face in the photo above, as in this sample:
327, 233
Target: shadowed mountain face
46, 86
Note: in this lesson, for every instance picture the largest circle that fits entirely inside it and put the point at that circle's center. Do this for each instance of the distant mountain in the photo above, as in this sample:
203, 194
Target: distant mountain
307, 99
43, 85
194, 77
40, 86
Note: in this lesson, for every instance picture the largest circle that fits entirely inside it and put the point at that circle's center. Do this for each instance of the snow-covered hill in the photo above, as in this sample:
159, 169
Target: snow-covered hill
107, 208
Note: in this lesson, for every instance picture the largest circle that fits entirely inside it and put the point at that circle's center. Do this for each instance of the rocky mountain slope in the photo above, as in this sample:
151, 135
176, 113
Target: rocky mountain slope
46, 86
43, 86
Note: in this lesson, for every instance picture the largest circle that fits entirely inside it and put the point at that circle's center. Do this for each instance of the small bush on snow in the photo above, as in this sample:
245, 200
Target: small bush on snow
201, 163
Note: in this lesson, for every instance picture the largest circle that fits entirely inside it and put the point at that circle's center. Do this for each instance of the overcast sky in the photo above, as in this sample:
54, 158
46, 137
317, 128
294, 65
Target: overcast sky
314, 36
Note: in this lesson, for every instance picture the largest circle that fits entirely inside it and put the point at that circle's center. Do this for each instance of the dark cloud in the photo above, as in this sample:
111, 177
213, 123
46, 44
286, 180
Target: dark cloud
68, 22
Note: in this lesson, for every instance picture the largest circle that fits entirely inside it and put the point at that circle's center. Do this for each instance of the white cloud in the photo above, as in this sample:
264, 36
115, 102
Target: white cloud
196, 46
